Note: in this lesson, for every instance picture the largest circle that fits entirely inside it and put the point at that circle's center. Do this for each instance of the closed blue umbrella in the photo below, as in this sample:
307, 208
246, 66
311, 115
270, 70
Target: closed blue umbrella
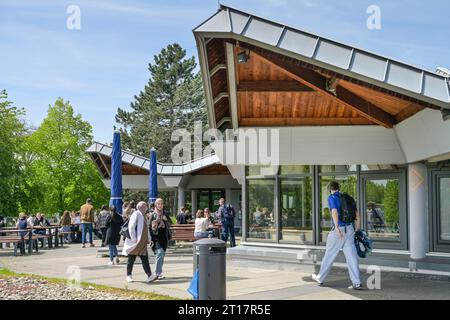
153, 178
116, 174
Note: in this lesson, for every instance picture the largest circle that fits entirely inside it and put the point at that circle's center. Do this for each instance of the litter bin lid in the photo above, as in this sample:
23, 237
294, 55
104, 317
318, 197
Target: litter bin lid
210, 242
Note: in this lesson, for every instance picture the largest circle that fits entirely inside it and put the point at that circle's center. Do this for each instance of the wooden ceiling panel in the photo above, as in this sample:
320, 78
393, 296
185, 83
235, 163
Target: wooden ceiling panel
390, 104
216, 53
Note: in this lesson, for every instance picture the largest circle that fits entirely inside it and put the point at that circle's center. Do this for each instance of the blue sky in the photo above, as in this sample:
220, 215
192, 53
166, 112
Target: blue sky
104, 64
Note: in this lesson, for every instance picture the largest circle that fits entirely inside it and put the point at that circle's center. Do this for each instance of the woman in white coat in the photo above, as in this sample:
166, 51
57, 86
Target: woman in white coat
137, 245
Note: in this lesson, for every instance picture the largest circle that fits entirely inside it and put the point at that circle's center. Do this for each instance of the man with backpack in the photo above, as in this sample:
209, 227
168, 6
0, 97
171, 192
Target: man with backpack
226, 215
344, 215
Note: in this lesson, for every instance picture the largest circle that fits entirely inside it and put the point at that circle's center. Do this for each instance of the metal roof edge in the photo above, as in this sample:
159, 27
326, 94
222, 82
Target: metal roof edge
383, 84
419, 94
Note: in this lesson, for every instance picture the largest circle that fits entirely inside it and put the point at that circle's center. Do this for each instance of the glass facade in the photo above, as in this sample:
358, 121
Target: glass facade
289, 204
261, 204
444, 209
296, 210
382, 208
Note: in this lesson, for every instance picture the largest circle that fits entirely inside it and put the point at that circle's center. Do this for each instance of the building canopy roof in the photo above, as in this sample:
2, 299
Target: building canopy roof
308, 70
133, 164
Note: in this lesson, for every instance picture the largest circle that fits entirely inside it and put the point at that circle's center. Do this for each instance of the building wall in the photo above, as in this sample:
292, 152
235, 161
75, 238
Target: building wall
424, 136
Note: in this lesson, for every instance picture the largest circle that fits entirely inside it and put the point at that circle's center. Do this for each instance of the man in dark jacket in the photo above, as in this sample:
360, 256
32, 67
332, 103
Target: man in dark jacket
226, 215
181, 217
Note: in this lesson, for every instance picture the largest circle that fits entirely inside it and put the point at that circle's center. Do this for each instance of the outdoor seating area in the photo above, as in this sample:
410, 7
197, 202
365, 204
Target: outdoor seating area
27, 240
185, 232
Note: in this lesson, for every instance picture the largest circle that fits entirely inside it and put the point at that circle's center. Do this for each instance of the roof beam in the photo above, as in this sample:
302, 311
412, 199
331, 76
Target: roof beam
232, 90
319, 83
273, 86
268, 122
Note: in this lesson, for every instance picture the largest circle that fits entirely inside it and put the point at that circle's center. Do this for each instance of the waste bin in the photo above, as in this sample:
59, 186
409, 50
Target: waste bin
210, 259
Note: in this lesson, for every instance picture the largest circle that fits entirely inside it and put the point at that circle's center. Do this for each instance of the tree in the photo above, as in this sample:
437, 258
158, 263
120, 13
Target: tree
172, 99
11, 137
62, 168
390, 202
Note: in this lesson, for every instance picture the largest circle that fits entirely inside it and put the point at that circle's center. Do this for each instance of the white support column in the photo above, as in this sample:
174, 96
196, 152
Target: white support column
418, 210
181, 198
228, 195
194, 201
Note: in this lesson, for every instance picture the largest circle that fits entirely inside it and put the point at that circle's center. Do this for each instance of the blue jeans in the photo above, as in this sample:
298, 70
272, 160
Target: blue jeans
112, 251
160, 253
205, 234
228, 228
89, 228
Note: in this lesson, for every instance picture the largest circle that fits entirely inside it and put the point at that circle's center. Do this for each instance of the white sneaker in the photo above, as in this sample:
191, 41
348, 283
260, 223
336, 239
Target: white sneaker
116, 260
161, 276
111, 263
129, 279
152, 278
316, 279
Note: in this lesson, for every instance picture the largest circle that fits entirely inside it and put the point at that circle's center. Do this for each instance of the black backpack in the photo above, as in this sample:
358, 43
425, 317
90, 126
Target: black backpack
348, 208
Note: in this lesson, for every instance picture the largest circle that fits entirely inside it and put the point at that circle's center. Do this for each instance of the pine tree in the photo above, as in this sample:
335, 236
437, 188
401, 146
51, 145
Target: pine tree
172, 99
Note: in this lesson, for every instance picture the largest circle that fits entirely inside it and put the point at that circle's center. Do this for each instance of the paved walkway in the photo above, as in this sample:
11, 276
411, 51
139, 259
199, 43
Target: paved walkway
245, 279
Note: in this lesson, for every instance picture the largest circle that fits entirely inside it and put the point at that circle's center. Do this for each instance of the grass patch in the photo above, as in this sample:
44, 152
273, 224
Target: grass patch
6, 273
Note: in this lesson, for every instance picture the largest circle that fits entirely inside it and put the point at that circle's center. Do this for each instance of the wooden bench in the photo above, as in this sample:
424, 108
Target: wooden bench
185, 232
28, 239
16, 241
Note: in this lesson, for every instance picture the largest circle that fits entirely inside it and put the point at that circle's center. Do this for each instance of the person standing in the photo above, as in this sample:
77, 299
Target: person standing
160, 233
136, 245
101, 222
340, 237
113, 223
87, 221
226, 214
181, 217
66, 225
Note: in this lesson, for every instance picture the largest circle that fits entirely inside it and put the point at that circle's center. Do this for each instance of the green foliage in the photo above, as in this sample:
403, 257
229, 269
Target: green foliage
11, 139
390, 202
172, 99
61, 168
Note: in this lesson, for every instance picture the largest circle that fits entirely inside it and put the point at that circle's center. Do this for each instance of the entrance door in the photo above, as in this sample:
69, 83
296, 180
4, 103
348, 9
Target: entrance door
384, 209
209, 199
440, 198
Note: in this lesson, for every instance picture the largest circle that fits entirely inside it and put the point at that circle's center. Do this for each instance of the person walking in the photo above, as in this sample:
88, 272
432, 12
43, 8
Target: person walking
113, 223
66, 225
136, 245
87, 221
226, 215
341, 236
129, 210
101, 222
160, 233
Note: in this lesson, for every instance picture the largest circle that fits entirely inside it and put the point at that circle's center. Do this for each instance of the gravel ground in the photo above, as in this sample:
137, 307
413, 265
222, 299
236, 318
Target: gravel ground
29, 288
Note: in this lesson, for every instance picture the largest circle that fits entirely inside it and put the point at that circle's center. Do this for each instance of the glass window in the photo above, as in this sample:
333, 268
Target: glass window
444, 223
262, 170
286, 170
348, 184
375, 167
338, 168
382, 208
261, 216
296, 210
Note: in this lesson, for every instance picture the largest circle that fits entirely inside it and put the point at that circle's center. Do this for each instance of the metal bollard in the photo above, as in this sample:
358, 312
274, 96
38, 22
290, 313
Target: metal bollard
210, 259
